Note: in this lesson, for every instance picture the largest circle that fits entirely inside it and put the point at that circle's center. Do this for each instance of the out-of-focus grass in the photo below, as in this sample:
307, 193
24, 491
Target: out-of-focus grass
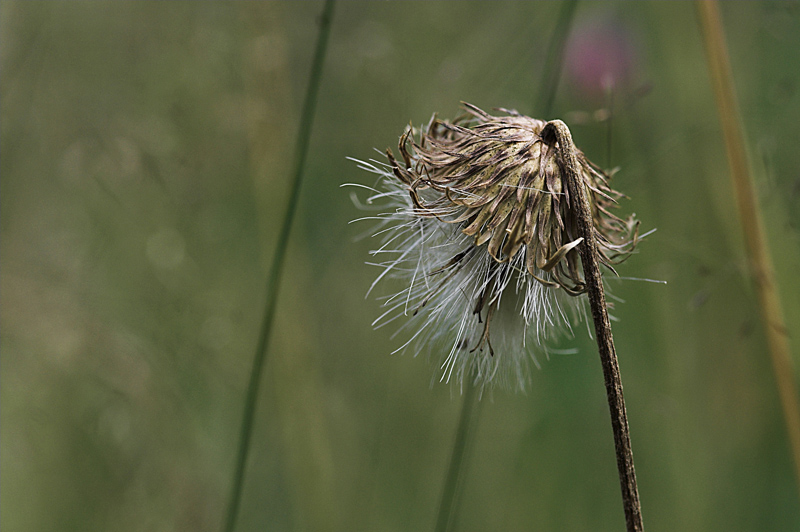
145, 154
759, 257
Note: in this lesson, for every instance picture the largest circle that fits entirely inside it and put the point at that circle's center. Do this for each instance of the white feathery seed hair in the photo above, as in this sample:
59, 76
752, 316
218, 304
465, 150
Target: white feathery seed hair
476, 227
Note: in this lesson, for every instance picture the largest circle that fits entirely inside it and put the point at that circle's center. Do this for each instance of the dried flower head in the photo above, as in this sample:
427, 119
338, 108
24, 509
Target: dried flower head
481, 231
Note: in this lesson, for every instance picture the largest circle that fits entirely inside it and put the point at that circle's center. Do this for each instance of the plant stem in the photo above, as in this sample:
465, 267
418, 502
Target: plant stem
557, 131
554, 59
276, 268
462, 439
756, 245
468, 418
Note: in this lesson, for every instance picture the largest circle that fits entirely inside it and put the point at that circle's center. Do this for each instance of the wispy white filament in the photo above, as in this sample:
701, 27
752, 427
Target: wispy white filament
436, 301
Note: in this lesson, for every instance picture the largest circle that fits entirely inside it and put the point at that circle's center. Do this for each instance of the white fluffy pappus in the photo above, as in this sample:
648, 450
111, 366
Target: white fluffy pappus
478, 235
436, 301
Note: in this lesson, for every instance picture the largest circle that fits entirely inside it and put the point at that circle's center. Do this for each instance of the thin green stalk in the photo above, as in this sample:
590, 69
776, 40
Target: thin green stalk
756, 245
466, 424
609, 124
276, 268
469, 415
551, 73
557, 132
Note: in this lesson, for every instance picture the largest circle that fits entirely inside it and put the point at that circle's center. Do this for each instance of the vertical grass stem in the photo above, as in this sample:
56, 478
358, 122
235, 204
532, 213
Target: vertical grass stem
468, 419
756, 245
557, 132
446, 515
276, 267
544, 105
554, 59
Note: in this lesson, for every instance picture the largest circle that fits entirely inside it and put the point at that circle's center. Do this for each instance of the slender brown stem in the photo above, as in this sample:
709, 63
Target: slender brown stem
756, 245
557, 132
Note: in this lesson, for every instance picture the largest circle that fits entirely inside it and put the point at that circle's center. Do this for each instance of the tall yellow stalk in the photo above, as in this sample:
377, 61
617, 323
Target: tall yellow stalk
756, 245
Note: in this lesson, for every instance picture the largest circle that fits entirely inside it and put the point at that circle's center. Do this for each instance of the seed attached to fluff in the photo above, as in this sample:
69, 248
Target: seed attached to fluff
480, 229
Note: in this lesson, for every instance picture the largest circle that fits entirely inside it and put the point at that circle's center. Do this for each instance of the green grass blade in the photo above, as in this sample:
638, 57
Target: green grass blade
466, 425
554, 60
276, 268
469, 415
756, 245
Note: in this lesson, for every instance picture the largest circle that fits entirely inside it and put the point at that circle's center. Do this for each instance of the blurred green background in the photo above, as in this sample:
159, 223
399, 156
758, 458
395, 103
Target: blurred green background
146, 155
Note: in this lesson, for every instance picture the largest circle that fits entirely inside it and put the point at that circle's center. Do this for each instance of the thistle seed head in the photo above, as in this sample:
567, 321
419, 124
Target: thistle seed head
480, 214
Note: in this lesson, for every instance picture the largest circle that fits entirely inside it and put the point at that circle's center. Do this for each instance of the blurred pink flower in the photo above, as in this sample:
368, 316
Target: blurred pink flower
601, 54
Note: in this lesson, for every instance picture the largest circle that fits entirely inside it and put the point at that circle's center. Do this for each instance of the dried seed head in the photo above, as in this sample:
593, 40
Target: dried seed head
482, 214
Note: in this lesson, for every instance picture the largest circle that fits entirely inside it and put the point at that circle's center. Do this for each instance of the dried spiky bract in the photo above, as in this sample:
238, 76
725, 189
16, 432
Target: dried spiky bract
482, 231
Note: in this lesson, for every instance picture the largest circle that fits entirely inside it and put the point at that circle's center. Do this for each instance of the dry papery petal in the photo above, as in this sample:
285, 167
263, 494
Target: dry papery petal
480, 214
497, 178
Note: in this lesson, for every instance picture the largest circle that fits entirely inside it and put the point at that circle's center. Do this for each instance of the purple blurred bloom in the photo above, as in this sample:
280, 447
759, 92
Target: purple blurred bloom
601, 54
